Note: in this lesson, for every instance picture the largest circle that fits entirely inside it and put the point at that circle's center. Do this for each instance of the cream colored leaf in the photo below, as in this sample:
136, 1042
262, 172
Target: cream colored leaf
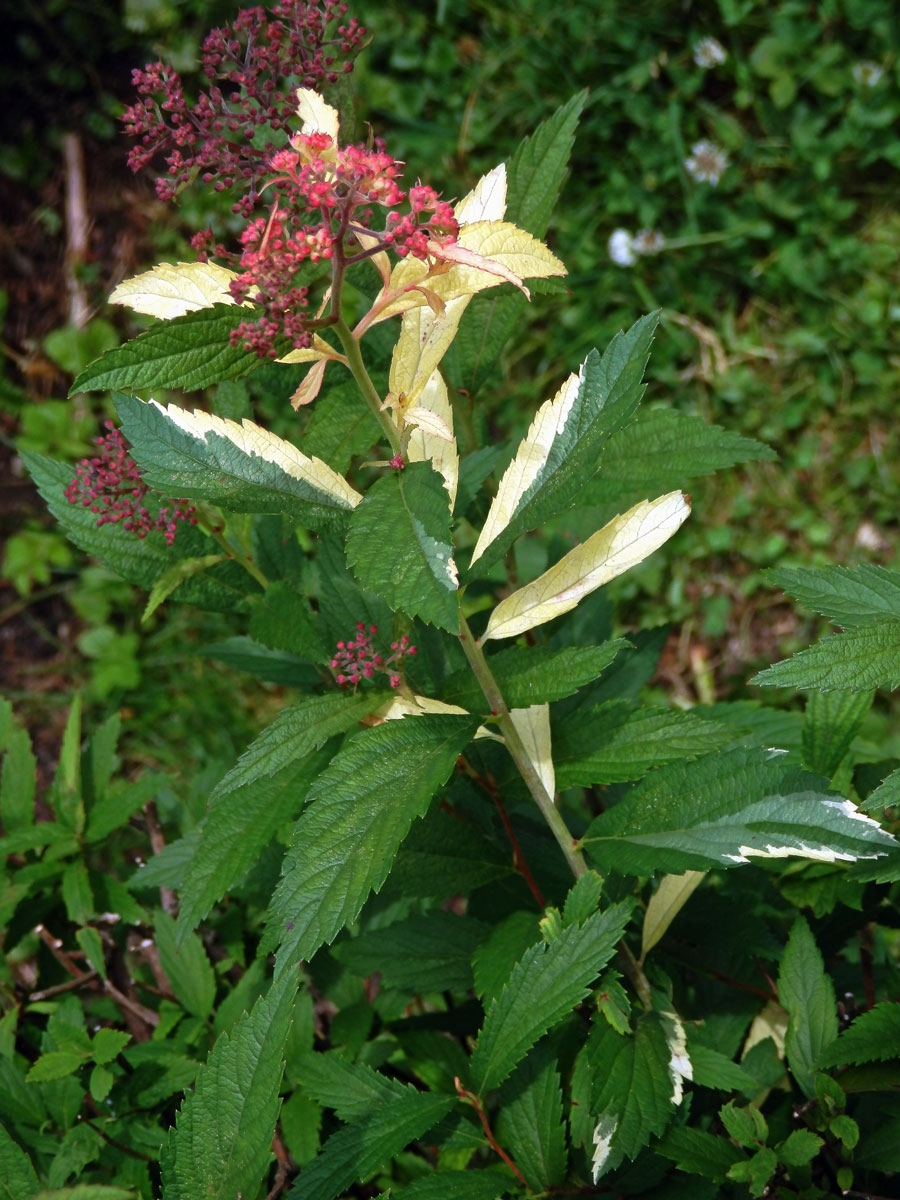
509, 248
379, 261
170, 290
549, 422
769, 1022
316, 115
453, 252
310, 385
253, 439
318, 350
423, 342
487, 199
433, 440
627, 540
400, 706
665, 904
680, 1065
533, 727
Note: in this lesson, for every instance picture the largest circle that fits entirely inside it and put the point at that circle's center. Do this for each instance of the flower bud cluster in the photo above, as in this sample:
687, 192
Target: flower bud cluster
110, 483
252, 69
359, 659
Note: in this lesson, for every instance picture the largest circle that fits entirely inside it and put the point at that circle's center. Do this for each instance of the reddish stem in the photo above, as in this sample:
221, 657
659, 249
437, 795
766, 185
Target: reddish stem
519, 862
470, 1098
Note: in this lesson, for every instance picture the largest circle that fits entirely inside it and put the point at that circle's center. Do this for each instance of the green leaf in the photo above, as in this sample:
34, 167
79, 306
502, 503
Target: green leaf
76, 894
224, 588
442, 856
17, 1177
538, 675
221, 1144
545, 985
874, 1036
624, 1090
456, 1185
351, 1089
699, 1153
123, 799
243, 468
283, 620
90, 942
357, 1150
166, 584
495, 958
188, 969
428, 953
188, 353
858, 660
530, 1125
85, 1191
725, 809
399, 545
830, 724
583, 898
561, 451
296, 732
17, 783
56, 1064
358, 812
239, 825
886, 795
848, 596
807, 994
799, 1148
341, 427
713, 1069
661, 449
755, 1171
615, 742
108, 1044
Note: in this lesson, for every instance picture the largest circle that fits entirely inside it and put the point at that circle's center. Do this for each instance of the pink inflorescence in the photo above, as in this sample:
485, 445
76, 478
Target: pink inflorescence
253, 69
319, 196
359, 659
111, 485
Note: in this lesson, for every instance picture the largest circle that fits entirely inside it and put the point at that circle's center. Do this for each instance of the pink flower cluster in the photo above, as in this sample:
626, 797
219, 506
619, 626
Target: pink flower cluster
253, 69
322, 195
111, 485
335, 186
359, 659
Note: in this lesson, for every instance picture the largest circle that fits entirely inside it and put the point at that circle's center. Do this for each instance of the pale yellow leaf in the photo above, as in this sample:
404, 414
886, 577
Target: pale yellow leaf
423, 342
487, 199
316, 115
665, 904
509, 249
432, 439
252, 439
549, 422
318, 350
310, 385
400, 706
627, 540
770, 1021
170, 290
533, 727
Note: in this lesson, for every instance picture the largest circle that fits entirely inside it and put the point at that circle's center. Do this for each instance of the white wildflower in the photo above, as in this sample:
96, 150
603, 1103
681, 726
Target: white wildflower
621, 248
707, 162
709, 53
867, 74
648, 241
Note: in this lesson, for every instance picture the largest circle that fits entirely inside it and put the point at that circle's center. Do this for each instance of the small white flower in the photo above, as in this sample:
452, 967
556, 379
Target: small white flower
867, 73
707, 162
709, 53
621, 248
648, 241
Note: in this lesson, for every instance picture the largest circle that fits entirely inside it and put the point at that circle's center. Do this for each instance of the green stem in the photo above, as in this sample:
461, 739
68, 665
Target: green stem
482, 672
635, 973
366, 386
242, 560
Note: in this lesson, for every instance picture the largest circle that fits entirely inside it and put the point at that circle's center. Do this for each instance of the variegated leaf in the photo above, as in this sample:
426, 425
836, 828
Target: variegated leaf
627, 540
533, 727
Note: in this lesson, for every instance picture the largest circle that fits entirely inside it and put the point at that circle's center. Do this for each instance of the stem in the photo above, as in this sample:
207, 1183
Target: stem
636, 976
493, 695
366, 386
241, 559
470, 1098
